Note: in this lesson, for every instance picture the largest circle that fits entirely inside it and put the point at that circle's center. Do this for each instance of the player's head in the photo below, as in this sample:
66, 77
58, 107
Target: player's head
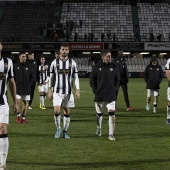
22, 57
120, 53
42, 59
1, 46
31, 55
106, 56
154, 61
64, 50
57, 54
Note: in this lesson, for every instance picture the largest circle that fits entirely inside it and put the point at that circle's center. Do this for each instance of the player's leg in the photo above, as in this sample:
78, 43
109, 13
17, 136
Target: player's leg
111, 122
41, 95
68, 103
24, 110
148, 99
45, 90
168, 105
4, 143
66, 122
57, 101
99, 106
18, 119
155, 103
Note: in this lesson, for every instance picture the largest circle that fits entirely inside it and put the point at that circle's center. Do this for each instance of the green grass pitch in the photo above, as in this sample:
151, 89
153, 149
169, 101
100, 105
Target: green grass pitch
142, 137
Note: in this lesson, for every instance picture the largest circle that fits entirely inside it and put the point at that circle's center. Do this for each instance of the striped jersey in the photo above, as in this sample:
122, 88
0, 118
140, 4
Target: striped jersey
167, 67
6, 72
64, 73
42, 74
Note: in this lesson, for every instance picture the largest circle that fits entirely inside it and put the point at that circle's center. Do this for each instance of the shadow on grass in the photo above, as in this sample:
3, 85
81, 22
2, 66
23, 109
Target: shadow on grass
87, 165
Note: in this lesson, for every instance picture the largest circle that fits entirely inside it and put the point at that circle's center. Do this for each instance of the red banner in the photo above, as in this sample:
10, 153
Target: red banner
86, 46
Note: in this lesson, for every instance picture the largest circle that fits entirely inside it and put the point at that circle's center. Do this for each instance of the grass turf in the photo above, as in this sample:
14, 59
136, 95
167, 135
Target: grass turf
142, 137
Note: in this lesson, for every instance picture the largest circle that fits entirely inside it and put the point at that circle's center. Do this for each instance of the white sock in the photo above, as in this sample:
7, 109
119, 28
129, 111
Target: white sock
111, 124
99, 121
66, 123
4, 145
42, 100
57, 121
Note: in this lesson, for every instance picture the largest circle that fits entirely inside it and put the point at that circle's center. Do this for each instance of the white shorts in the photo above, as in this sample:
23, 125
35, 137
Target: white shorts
63, 100
43, 88
152, 92
100, 106
23, 97
168, 94
4, 114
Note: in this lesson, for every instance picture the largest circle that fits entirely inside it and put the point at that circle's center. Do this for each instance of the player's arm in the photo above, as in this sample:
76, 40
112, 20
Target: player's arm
168, 74
12, 87
77, 84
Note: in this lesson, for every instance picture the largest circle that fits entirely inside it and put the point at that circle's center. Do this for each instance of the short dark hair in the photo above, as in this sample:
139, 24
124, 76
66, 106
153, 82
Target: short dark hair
64, 45
57, 52
20, 53
104, 52
42, 56
30, 53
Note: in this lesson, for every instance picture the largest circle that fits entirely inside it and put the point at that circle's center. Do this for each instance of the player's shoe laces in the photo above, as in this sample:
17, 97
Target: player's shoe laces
40, 106
43, 108
147, 107
98, 132
3, 167
65, 135
154, 110
111, 137
58, 132
18, 119
130, 108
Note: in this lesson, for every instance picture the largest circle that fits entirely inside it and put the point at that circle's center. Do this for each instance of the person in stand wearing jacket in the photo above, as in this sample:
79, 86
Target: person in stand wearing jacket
24, 78
153, 76
122, 67
104, 81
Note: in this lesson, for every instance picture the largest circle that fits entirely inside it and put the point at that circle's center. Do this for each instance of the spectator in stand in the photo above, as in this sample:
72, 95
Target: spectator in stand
85, 37
102, 37
80, 23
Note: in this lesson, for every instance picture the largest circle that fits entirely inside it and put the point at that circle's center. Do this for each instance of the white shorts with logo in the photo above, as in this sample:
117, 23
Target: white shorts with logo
23, 97
63, 100
168, 94
43, 88
100, 106
152, 92
4, 114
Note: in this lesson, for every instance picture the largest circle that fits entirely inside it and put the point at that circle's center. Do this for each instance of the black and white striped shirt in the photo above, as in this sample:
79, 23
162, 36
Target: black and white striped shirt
6, 72
64, 72
42, 74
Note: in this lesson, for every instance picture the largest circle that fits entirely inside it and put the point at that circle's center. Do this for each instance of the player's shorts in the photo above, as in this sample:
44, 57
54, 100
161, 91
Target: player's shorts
63, 100
100, 106
43, 88
168, 93
4, 114
23, 97
152, 92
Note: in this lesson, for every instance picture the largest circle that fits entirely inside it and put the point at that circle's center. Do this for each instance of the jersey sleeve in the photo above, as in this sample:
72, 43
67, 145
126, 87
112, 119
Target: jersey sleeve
167, 66
10, 69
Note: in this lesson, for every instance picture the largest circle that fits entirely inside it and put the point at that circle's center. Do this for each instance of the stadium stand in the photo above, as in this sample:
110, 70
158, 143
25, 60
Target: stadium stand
154, 19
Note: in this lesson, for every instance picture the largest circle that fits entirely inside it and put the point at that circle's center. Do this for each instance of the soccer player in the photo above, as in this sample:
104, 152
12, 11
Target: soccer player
167, 69
42, 81
153, 76
122, 67
33, 62
6, 74
104, 81
24, 78
64, 69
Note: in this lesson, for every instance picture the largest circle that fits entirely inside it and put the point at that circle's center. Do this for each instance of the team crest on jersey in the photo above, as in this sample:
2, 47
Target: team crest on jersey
100, 69
6, 65
26, 68
111, 69
18, 68
157, 69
